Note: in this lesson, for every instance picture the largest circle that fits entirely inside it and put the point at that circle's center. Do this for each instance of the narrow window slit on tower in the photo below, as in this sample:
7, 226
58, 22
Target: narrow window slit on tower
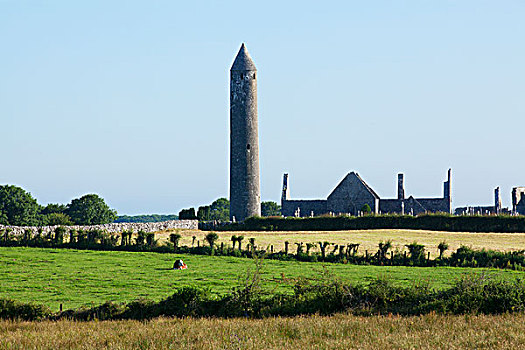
242, 76
248, 147
253, 75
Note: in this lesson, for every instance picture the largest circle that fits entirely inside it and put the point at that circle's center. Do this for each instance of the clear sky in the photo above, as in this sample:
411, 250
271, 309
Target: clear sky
130, 99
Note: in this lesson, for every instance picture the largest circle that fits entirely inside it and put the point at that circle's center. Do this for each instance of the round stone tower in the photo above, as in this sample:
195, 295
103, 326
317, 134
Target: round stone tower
245, 194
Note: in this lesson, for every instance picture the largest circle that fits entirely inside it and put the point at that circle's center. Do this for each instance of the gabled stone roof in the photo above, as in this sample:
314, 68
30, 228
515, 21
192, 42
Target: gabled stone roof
359, 180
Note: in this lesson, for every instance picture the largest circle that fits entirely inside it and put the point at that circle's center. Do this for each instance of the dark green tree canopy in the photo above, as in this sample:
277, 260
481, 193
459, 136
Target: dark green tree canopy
220, 210
18, 206
187, 214
203, 213
3, 219
53, 208
53, 219
90, 209
270, 208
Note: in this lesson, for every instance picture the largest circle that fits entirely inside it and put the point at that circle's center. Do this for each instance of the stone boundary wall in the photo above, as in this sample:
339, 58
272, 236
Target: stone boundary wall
114, 227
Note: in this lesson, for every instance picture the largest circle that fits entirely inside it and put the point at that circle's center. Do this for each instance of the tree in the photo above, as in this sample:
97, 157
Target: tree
220, 210
203, 213
309, 246
366, 209
383, 249
270, 208
416, 251
3, 218
141, 238
239, 242
187, 214
59, 234
18, 206
52, 208
175, 238
252, 243
53, 219
211, 238
90, 209
150, 239
323, 246
442, 246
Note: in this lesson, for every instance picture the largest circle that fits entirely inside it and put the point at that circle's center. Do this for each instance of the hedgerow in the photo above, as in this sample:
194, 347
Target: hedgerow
325, 295
435, 222
332, 253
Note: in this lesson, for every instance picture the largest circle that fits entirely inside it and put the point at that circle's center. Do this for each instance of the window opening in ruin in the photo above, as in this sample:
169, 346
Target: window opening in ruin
242, 76
253, 75
248, 147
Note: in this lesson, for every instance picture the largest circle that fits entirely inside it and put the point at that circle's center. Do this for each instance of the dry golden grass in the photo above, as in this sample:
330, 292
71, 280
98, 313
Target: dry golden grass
368, 239
314, 332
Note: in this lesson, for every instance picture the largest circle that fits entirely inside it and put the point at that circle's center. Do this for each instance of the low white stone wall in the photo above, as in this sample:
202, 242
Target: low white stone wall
114, 228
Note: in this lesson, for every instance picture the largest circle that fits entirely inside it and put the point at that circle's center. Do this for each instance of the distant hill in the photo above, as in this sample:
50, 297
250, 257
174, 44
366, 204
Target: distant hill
146, 218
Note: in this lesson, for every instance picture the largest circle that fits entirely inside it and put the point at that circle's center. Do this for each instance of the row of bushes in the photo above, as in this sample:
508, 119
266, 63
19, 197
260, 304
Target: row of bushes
329, 252
473, 294
435, 222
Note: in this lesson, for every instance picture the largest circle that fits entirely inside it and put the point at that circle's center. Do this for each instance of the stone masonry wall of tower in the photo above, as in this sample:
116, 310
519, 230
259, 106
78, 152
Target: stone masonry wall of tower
245, 198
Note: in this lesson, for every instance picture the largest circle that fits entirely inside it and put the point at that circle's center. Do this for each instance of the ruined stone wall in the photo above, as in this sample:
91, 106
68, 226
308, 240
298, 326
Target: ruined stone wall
518, 193
306, 207
115, 227
475, 210
435, 205
391, 206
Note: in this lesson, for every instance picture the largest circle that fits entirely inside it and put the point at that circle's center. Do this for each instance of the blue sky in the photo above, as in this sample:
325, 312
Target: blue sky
130, 99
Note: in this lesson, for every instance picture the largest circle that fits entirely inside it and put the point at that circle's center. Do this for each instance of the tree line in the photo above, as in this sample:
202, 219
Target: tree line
19, 208
219, 210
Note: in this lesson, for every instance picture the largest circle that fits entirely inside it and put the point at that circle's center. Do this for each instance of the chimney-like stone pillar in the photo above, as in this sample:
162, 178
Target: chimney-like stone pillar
497, 201
400, 186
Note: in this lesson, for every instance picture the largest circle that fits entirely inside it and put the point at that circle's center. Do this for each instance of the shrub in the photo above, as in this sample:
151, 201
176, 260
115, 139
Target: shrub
442, 247
436, 222
59, 234
141, 237
186, 301
150, 240
106, 311
416, 251
174, 239
211, 238
13, 310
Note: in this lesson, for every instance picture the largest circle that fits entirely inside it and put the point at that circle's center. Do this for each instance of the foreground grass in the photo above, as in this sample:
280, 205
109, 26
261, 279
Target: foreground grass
74, 278
314, 332
368, 239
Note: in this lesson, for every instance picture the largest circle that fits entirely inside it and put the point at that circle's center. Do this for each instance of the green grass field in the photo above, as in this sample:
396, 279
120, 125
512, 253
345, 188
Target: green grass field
74, 278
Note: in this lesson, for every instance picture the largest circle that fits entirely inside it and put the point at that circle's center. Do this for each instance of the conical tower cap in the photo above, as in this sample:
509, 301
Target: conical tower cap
243, 61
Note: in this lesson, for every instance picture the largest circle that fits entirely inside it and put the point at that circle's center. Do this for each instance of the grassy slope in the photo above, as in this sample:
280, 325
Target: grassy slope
315, 332
370, 238
53, 276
